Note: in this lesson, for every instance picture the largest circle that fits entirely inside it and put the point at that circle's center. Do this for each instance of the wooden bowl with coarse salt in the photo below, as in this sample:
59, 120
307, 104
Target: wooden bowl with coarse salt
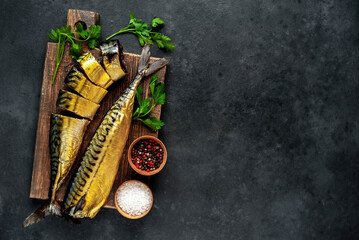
132, 162
133, 199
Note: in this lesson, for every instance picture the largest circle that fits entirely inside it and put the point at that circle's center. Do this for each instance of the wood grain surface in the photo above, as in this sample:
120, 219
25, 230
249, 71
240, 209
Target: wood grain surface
40, 183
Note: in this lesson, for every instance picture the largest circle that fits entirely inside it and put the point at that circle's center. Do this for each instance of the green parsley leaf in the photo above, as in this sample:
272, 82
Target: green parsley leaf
64, 34
132, 17
145, 106
157, 21
79, 30
153, 83
169, 46
92, 43
95, 31
53, 36
75, 51
145, 34
163, 41
159, 96
142, 40
153, 123
139, 95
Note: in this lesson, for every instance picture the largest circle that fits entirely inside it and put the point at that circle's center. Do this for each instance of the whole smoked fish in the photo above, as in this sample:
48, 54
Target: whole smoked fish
96, 174
66, 135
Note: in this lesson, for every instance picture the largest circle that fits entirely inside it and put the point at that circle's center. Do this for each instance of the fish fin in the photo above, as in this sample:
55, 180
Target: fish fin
155, 66
70, 211
49, 208
80, 204
145, 57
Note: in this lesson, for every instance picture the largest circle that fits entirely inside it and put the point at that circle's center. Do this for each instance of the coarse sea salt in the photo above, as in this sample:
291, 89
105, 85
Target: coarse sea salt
134, 198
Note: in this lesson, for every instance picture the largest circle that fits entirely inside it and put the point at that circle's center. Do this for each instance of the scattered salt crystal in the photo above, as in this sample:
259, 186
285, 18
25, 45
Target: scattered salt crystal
134, 198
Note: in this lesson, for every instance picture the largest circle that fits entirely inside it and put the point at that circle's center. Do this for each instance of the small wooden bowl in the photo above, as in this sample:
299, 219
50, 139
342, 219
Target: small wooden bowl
140, 171
125, 214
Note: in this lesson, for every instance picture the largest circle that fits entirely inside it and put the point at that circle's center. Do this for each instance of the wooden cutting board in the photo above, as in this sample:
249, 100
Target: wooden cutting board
40, 183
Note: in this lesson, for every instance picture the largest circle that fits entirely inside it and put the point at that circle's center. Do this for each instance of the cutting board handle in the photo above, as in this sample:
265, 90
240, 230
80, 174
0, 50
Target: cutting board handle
88, 17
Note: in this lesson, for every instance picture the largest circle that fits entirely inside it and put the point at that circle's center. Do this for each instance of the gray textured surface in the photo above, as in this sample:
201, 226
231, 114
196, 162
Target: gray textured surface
261, 120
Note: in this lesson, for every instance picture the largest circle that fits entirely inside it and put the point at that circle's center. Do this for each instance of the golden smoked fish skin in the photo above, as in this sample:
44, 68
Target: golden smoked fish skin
99, 166
94, 70
76, 104
79, 83
66, 135
112, 59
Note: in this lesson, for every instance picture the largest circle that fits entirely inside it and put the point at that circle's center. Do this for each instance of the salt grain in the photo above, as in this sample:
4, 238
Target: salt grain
134, 198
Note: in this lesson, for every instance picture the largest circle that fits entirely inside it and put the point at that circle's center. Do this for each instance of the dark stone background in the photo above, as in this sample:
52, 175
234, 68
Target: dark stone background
261, 119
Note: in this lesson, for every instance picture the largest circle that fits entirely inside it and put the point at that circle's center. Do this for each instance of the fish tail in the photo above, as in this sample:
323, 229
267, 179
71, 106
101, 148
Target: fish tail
157, 65
49, 208
147, 69
145, 57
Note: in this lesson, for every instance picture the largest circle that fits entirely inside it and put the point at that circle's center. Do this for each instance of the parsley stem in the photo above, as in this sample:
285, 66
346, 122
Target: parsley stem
58, 60
76, 39
68, 37
146, 32
82, 40
121, 31
62, 51
144, 114
57, 68
137, 116
64, 34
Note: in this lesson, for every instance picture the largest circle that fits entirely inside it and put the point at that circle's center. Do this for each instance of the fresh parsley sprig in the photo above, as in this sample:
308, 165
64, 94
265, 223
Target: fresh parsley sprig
145, 106
64, 34
146, 34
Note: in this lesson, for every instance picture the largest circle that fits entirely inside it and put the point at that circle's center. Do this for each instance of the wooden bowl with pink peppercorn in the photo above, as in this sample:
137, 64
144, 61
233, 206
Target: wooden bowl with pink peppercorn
147, 155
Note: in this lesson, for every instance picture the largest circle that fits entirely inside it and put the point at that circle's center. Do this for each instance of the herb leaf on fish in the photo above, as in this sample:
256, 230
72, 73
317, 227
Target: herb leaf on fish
64, 34
145, 106
146, 34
